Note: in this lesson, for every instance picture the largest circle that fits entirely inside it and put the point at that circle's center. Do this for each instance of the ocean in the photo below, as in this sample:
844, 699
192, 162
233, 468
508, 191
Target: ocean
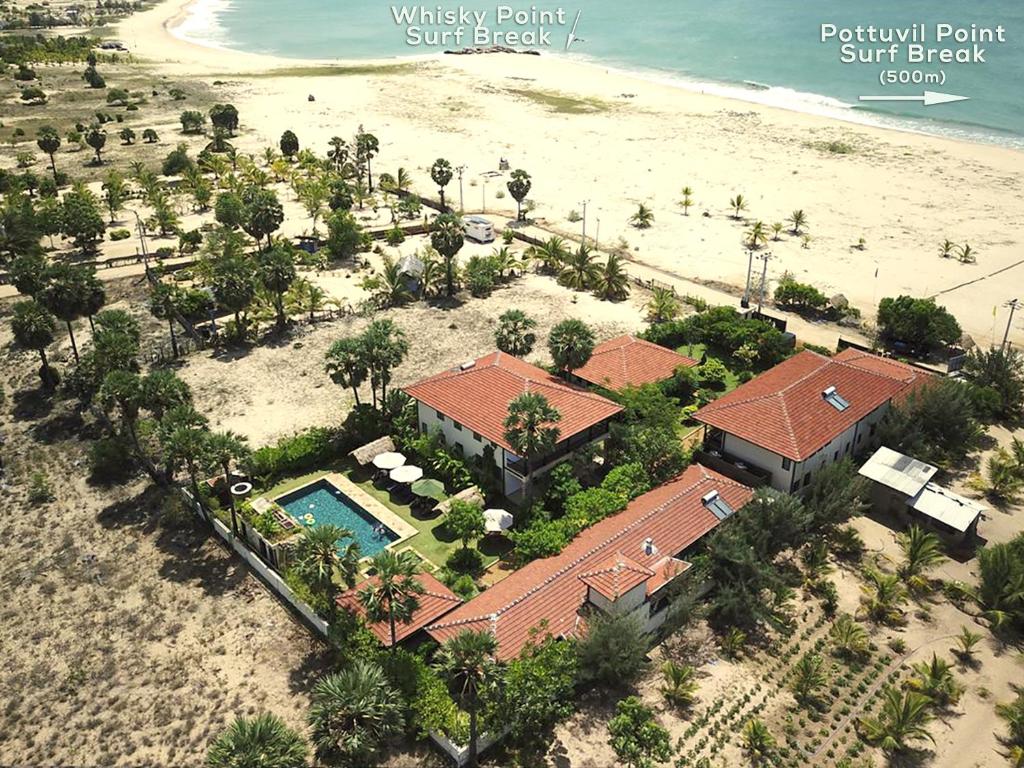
766, 51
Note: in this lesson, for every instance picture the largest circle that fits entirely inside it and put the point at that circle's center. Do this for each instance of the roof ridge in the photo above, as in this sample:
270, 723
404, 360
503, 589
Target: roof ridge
576, 561
861, 355
788, 421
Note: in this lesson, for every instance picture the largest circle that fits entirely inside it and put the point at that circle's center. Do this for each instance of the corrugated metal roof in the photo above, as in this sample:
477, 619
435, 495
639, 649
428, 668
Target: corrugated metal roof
947, 507
897, 471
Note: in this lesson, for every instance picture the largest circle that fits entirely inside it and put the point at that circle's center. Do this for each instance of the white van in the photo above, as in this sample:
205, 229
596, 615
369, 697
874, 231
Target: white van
478, 228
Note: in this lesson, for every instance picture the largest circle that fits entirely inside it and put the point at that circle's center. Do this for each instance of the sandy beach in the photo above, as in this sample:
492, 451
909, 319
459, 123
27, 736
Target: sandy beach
586, 133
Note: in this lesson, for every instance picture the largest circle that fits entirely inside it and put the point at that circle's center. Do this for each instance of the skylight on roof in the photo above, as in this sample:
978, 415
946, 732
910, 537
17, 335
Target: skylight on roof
717, 505
833, 398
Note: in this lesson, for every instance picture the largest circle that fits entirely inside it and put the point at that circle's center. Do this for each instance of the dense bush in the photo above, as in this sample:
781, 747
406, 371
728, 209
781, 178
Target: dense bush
294, 455
110, 461
920, 324
800, 297
724, 329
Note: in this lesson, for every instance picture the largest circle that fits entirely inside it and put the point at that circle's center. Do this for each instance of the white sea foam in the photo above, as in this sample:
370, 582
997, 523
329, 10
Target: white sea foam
202, 24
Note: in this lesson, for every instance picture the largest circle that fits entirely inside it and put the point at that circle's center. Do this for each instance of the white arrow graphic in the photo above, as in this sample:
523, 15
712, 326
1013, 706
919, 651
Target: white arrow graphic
928, 98
571, 37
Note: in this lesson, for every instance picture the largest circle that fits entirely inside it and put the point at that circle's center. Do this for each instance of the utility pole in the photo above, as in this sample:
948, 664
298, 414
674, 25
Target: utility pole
460, 171
1012, 304
584, 204
483, 196
597, 237
765, 257
745, 301
142, 242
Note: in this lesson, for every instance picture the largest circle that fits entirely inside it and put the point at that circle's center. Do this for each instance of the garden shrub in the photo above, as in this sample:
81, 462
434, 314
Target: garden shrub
119, 234
110, 461
629, 481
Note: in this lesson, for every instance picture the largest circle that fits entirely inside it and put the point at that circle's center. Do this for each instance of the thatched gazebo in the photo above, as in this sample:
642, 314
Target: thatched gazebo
366, 453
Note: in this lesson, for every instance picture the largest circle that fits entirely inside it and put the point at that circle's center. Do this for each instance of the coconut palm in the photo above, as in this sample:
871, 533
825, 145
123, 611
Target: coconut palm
1013, 714
687, 202
808, 678
305, 296
391, 288
777, 228
514, 334
468, 661
965, 643
680, 686
612, 282
884, 595
922, 551
392, 595
353, 712
643, 218
738, 205
1003, 481
531, 428
757, 741
903, 719
849, 639
550, 255
947, 248
34, 328
756, 235
318, 558
580, 269
935, 680
797, 221
263, 741
224, 448
502, 260
966, 254
402, 180
662, 306
571, 343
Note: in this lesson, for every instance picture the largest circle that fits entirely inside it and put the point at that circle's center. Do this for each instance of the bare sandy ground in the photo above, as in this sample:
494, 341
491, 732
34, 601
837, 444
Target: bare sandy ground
633, 141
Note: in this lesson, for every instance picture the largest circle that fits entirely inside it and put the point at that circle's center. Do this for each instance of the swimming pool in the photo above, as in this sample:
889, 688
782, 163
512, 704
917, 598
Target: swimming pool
323, 503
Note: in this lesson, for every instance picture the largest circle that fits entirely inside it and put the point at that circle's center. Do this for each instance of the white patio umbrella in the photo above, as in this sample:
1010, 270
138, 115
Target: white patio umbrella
497, 520
388, 460
406, 474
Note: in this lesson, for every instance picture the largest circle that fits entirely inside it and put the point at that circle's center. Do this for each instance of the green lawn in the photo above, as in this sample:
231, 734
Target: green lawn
697, 350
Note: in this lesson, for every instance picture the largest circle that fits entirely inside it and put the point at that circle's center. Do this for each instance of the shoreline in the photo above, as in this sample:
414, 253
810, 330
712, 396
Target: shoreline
772, 97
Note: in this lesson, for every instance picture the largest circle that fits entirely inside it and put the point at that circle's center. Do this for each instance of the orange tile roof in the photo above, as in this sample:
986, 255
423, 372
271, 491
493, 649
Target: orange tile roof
435, 602
629, 361
616, 576
478, 396
783, 409
665, 571
549, 592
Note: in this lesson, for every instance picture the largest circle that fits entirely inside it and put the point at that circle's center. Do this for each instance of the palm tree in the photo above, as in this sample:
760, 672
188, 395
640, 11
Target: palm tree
757, 235
441, 174
531, 429
808, 678
347, 365
935, 680
393, 593
49, 142
318, 558
965, 643
680, 686
503, 260
402, 180
797, 220
687, 201
571, 343
275, 269
353, 712
612, 282
580, 270
738, 205
183, 437
551, 255
468, 661
1003, 482
662, 306
34, 328
263, 741
757, 741
305, 296
903, 719
447, 239
65, 295
849, 639
643, 218
947, 248
922, 551
966, 254
338, 153
224, 448
514, 334
884, 594
777, 228
392, 290
1013, 714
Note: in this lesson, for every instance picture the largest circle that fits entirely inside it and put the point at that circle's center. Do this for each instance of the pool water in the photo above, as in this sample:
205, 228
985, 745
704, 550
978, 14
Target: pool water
322, 503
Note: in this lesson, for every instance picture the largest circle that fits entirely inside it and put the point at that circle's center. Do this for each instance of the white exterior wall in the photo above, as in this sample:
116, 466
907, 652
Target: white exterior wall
427, 417
758, 457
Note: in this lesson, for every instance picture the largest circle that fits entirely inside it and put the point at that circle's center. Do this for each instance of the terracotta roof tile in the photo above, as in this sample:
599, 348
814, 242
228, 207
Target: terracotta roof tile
783, 410
629, 361
477, 396
435, 602
616, 576
548, 593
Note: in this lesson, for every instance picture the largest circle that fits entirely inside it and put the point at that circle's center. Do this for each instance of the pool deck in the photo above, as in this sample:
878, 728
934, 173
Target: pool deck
403, 529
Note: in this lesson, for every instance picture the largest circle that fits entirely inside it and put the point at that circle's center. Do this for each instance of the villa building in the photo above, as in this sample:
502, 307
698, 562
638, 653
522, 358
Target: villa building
627, 361
622, 564
807, 412
468, 406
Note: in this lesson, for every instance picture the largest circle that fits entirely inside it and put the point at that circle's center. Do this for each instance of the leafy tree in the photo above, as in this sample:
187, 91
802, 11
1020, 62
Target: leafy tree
33, 328
275, 269
447, 239
344, 235
571, 343
49, 142
150, 136
636, 737
263, 741
80, 218
441, 174
393, 593
680, 684
920, 323
177, 162
903, 719
313, 194
514, 334
531, 428
1001, 371
757, 741
643, 218
289, 144
580, 270
20, 229
465, 520
127, 135
353, 712
229, 210
192, 121
224, 116
799, 296
115, 191
519, 185
614, 650
935, 423
467, 660
97, 138
347, 364
612, 281
836, 493
263, 213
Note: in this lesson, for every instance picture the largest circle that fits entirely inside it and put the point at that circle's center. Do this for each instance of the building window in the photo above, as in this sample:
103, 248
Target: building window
423, 427
457, 449
807, 479
873, 429
476, 436
458, 427
786, 463
440, 417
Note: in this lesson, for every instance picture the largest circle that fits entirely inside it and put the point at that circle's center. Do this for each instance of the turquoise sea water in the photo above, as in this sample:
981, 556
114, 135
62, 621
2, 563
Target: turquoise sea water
762, 50
323, 504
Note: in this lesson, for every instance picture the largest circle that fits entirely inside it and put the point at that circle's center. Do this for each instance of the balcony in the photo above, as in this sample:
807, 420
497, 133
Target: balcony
517, 465
732, 467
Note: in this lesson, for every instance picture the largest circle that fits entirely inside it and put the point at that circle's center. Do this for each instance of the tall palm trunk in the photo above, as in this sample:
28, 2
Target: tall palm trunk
53, 167
147, 464
355, 391
44, 372
394, 632
71, 335
471, 761
226, 466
